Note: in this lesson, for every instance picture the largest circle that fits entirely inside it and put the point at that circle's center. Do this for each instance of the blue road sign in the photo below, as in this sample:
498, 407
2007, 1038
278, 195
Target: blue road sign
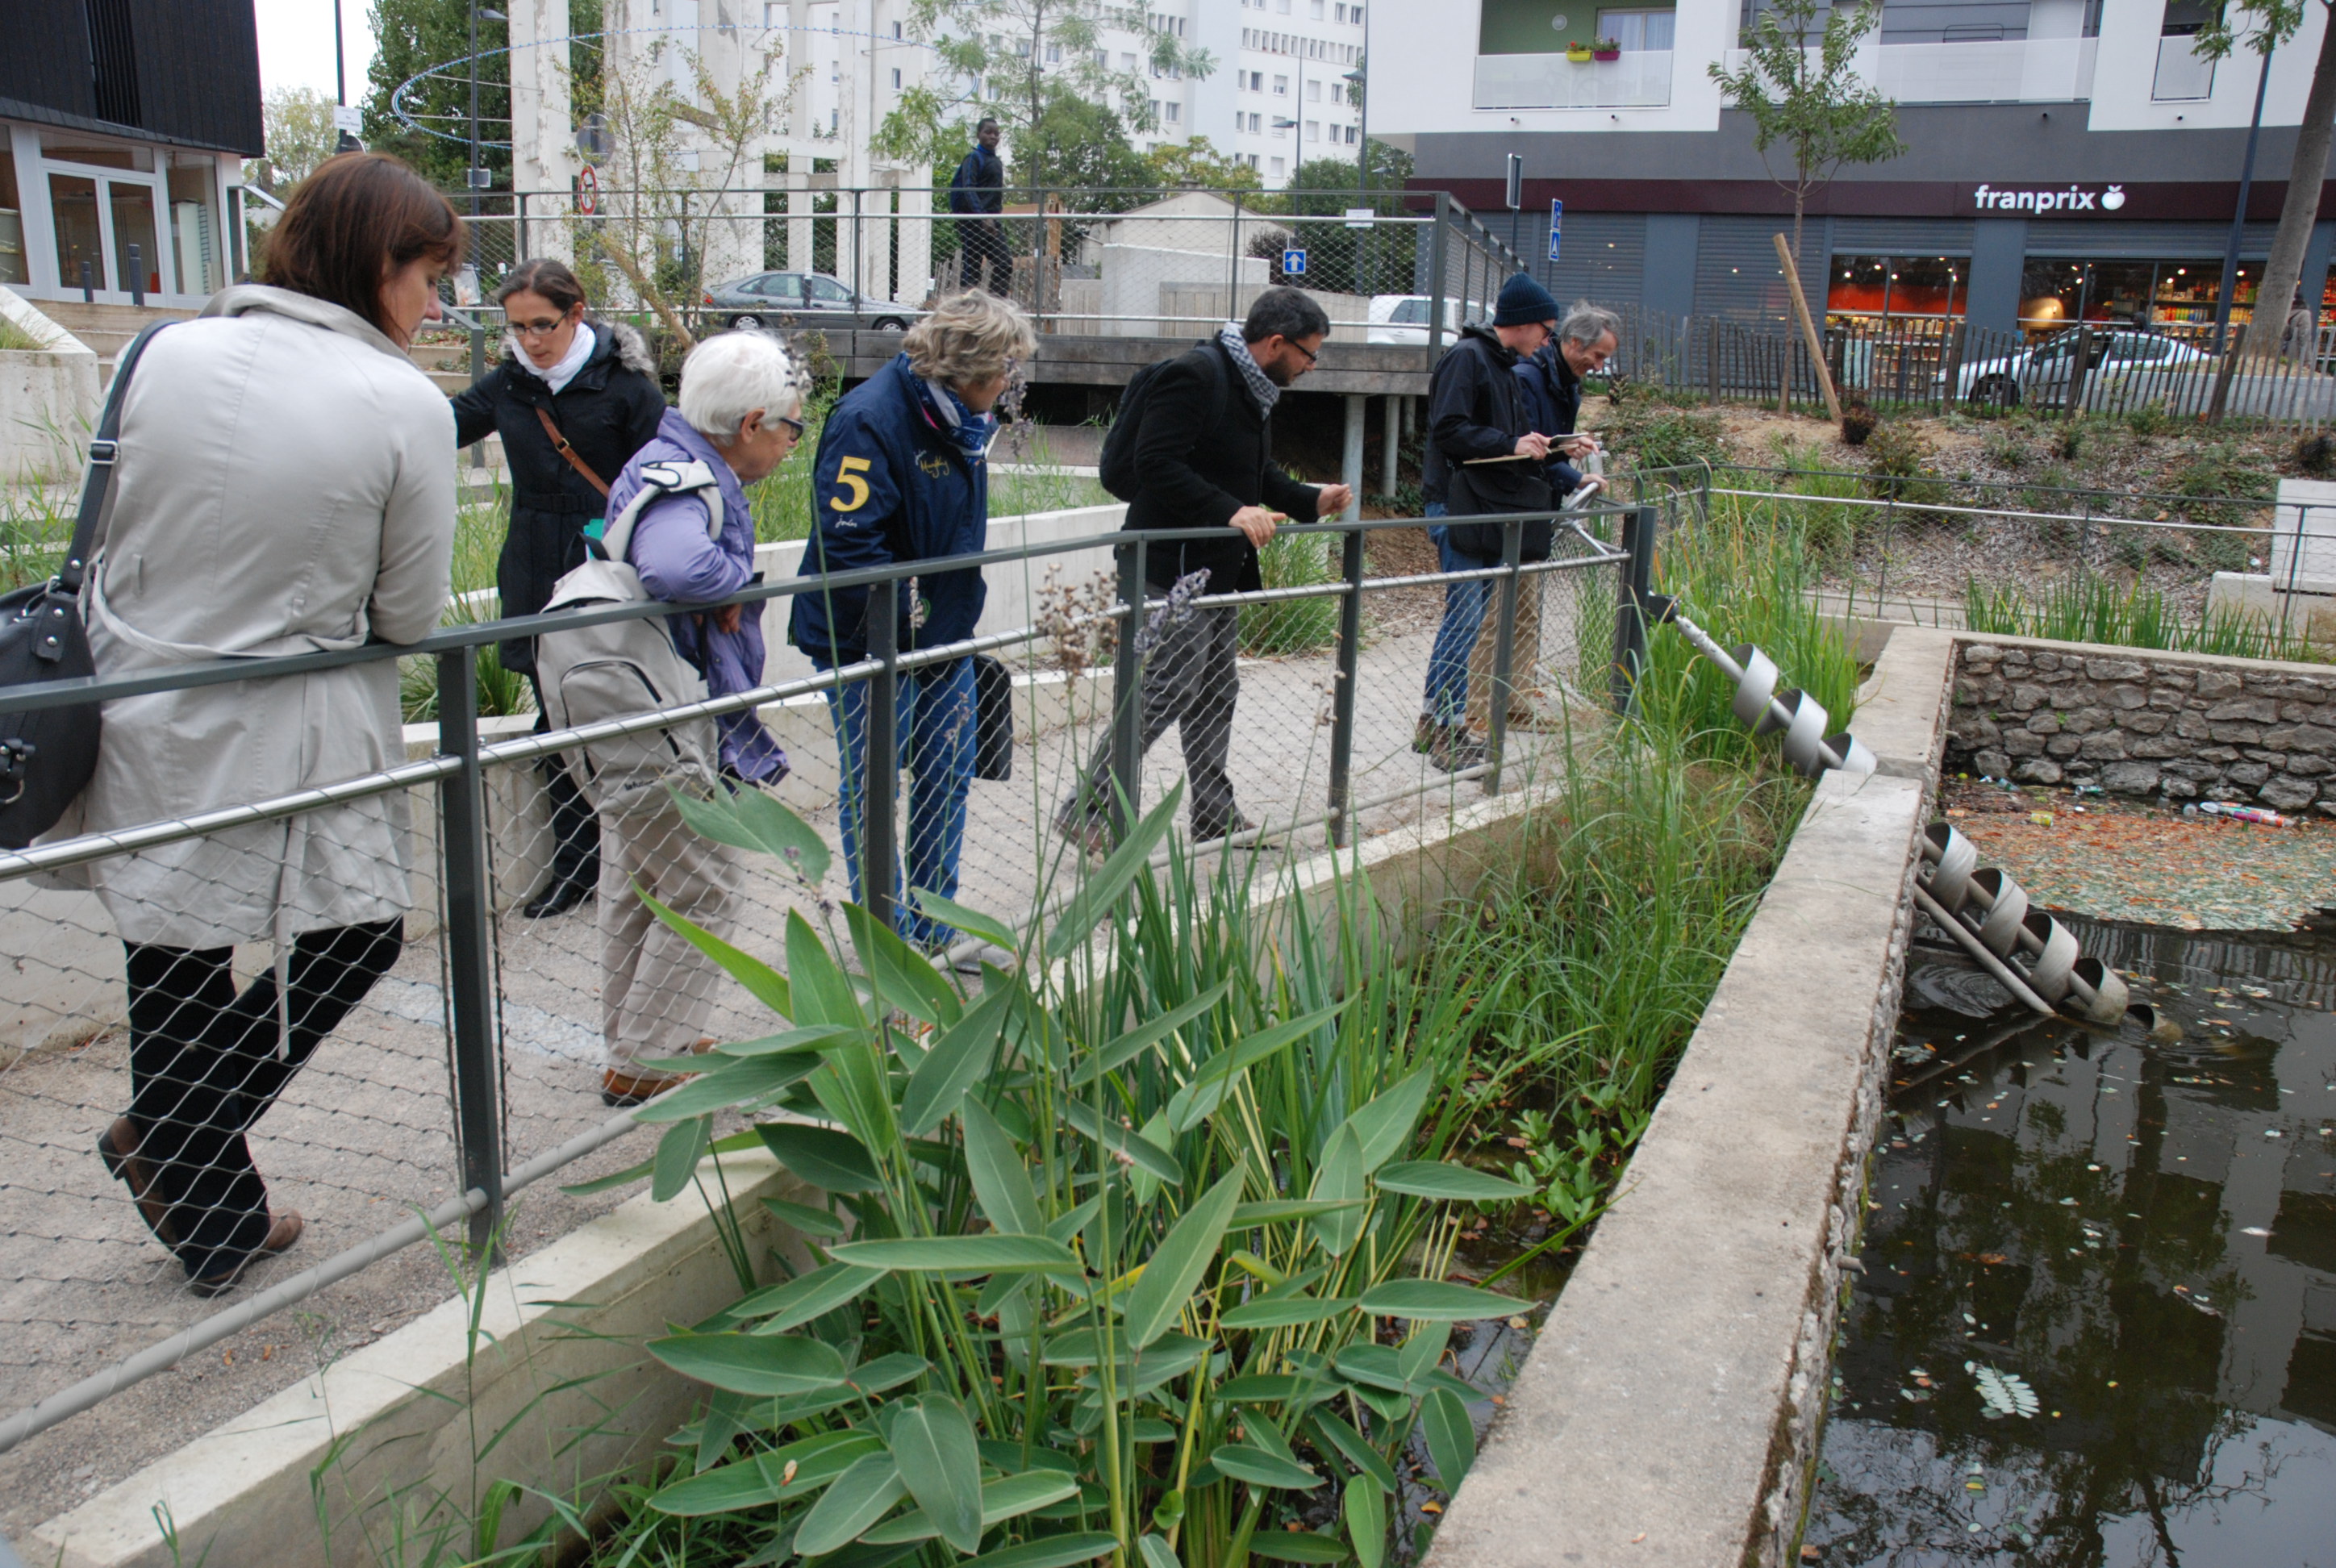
1293, 263
1556, 223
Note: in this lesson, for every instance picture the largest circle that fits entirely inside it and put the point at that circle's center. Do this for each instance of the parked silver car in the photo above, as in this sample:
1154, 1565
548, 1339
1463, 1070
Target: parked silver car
2041, 371
801, 298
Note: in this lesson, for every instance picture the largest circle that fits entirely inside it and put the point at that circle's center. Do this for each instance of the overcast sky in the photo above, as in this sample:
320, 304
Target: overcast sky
296, 44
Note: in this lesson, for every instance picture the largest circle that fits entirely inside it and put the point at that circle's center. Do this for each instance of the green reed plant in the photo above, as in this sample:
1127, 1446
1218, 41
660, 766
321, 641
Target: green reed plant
1128, 1224
1745, 577
1294, 625
2092, 609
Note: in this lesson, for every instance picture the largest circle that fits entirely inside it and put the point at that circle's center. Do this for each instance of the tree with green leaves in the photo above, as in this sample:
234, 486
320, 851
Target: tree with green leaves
2261, 25
298, 123
416, 36
1037, 67
1810, 100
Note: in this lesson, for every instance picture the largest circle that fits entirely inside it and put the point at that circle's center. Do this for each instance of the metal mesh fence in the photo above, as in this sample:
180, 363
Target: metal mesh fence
419, 1066
1101, 263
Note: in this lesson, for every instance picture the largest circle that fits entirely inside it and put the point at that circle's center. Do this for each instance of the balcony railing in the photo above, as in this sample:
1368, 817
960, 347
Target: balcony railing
1640, 79
2017, 71
2182, 73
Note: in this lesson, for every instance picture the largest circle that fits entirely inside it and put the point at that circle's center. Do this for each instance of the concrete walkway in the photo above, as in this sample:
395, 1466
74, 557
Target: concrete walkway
363, 1136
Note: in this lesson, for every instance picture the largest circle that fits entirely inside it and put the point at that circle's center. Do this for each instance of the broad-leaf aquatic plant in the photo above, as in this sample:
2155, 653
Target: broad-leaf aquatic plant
1133, 1251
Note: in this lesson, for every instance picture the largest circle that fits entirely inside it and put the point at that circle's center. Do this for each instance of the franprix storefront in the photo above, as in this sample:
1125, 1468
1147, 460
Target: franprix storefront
2003, 217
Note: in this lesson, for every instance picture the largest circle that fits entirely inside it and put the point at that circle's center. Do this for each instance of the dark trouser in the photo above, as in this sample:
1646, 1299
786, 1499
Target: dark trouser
575, 827
983, 243
203, 1069
1191, 680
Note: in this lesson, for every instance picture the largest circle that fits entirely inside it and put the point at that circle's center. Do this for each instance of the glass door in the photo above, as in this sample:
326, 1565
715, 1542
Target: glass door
109, 240
80, 234
137, 259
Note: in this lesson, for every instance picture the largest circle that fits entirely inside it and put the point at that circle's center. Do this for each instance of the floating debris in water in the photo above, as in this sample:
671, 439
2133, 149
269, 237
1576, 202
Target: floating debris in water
2006, 1393
2254, 1231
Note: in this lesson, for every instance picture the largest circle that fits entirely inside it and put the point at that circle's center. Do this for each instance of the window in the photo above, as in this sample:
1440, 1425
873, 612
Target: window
1054, 54
1281, 130
1256, 124
1314, 9
1282, 6
895, 78
1339, 11
1355, 14
827, 291
1257, 80
1176, 115
1127, 63
1281, 87
1278, 163
1103, 59
1313, 130
1314, 91
1338, 93
1639, 30
14, 266
1350, 136
896, 29
1898, 286
1156, 115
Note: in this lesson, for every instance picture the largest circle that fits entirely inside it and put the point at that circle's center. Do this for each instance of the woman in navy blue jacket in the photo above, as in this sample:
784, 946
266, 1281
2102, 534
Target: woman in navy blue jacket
901, 475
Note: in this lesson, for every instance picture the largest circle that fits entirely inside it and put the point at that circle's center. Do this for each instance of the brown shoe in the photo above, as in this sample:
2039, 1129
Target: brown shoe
283, 1230
118, 1147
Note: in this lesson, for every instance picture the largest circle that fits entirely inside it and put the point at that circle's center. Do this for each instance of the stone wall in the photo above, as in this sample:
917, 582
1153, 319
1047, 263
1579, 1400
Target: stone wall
2162, 726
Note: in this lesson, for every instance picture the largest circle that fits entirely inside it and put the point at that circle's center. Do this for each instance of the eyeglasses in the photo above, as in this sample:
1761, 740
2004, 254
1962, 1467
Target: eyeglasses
1312, 358
797, 425
537, 328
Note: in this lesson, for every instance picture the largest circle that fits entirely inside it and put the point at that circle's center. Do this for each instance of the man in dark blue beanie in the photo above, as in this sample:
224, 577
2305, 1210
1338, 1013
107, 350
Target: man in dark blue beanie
1476, 410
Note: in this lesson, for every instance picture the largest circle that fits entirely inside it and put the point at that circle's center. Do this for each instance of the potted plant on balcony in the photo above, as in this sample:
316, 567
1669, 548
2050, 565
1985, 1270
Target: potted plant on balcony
1578, 53
1606, 49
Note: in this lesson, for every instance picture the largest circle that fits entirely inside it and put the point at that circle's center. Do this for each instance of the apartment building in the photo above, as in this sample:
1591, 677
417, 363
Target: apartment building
2066, 159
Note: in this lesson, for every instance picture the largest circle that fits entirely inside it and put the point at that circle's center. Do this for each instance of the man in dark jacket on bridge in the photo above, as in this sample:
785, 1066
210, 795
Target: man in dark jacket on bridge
976, 194
1204, 457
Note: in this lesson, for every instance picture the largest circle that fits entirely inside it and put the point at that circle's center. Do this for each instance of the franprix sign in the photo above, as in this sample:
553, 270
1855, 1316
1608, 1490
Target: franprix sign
2063, 198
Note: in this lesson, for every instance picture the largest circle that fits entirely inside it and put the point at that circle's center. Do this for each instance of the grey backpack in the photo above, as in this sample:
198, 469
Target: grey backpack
620, 668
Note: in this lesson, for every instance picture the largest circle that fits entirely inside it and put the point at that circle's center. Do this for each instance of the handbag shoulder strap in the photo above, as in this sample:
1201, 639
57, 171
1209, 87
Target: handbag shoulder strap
560, 445
104, 449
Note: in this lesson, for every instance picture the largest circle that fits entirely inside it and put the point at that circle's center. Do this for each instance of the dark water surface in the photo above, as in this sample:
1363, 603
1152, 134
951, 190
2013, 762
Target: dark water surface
2141, 1233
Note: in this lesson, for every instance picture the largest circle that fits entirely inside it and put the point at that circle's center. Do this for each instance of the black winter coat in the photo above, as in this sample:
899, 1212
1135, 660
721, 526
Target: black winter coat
1194, 472
608, 412
1553, 402
1475, 407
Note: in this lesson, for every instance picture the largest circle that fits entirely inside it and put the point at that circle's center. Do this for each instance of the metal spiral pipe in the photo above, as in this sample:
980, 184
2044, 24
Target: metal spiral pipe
1794, 713
1989, 913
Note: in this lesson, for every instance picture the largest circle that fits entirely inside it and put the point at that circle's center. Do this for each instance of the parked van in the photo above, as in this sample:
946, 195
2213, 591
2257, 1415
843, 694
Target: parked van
1404, 318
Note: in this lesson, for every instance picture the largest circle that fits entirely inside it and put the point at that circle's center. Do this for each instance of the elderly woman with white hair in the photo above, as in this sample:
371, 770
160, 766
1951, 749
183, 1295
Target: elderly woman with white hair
740, 403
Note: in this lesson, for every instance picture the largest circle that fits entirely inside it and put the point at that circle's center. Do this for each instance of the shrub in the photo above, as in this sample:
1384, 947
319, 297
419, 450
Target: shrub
1857, 423
1291, 625
1899, 459
1655, 437
2315, 455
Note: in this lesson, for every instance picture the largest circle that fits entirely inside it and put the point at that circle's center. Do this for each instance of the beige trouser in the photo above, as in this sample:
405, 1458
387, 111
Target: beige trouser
657, 990
1524, 663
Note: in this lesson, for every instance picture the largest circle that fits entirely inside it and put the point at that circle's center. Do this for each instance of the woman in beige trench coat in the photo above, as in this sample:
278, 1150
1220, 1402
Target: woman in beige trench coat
286, 486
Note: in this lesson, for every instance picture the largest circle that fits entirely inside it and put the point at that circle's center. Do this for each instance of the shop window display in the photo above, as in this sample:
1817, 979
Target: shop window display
2175, 296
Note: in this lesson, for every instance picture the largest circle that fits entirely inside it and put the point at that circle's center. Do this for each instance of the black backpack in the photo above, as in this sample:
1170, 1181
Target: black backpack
1116, 467
48, 754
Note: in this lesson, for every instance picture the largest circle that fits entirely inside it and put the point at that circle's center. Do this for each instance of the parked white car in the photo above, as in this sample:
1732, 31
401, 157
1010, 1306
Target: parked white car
2041, 371
1404, 318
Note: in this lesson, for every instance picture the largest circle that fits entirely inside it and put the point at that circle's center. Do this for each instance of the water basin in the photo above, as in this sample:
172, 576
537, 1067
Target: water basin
2096, 1320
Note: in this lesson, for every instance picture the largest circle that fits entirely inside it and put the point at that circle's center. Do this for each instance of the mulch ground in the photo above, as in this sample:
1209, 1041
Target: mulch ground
2119, 861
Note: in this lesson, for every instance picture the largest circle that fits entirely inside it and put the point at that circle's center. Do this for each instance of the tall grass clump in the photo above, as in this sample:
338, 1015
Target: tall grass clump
1146, 1234
16, 339
2092, 609
1292, 624
1744, 577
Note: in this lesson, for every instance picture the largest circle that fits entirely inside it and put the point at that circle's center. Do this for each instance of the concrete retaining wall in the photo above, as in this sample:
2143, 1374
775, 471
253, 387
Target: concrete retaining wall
2171, 727
48, 399
1670, 1412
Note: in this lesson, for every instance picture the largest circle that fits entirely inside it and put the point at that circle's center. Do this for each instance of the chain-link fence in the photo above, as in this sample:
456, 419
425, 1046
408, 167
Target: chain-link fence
2247, 576
1389, 268
171, 1096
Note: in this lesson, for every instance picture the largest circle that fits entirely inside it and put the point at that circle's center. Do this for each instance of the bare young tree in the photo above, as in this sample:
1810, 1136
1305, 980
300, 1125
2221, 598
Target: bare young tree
1013, 60
2261, 25
671, 156
1808, 98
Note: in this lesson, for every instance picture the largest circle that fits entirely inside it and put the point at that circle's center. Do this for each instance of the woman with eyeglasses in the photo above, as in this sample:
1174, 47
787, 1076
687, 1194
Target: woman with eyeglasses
573, 399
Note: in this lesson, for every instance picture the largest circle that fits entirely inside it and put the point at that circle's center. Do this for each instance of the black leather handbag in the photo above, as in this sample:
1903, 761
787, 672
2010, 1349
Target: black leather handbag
47, 753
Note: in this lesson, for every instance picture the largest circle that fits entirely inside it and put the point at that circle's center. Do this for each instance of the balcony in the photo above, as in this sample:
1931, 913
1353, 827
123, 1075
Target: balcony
1640, 79
2182, 74
2011, 71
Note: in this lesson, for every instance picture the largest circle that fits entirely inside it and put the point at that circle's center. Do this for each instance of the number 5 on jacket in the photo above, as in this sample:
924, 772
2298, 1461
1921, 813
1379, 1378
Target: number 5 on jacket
848, 473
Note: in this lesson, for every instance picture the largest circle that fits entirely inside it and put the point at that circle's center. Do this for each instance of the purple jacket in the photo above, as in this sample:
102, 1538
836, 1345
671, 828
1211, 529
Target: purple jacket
680, 565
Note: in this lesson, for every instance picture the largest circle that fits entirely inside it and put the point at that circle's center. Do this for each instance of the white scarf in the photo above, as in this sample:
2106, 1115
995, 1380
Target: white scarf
579, 350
